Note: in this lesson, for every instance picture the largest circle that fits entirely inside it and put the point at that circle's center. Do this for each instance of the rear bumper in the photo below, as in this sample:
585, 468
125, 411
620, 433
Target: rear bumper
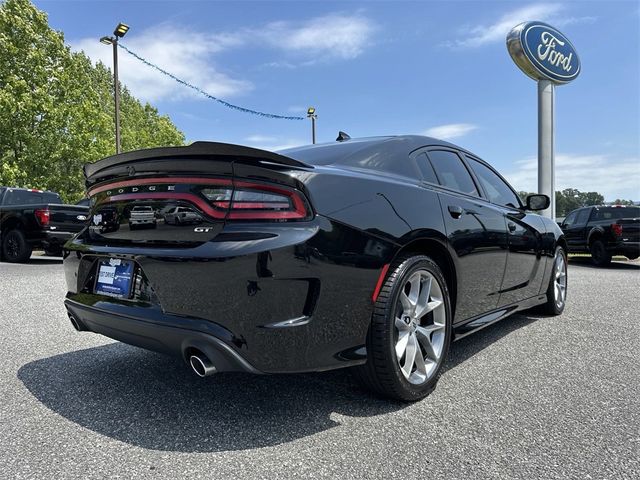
159, 332
50, 239
292, 299
625, 248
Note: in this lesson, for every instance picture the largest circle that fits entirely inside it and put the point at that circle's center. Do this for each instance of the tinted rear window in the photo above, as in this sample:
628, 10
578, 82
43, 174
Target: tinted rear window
380, 156
451, 171
25, 197
613, 213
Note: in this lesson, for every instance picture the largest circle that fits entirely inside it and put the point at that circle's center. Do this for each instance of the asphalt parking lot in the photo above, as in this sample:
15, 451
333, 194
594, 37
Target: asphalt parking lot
530, 397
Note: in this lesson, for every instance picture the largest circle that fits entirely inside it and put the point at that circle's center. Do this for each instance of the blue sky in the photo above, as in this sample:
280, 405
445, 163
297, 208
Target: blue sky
376, 68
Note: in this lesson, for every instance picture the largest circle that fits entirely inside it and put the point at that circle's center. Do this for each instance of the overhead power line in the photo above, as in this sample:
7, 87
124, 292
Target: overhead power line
208, 95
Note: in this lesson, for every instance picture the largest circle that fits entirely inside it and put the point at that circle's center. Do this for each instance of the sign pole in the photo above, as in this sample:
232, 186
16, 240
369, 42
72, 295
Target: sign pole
546, 136
547, 56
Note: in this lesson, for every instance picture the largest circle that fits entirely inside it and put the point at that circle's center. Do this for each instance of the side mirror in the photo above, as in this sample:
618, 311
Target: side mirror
537, 202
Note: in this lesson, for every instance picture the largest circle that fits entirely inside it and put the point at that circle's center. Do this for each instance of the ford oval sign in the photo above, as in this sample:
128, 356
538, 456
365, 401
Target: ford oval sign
543, 53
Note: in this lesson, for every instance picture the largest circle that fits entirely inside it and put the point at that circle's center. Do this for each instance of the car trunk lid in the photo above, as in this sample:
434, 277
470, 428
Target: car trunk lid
201, 179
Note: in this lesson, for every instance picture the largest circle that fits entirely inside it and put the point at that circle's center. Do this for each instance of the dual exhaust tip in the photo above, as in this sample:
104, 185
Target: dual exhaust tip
199, 362
201, 365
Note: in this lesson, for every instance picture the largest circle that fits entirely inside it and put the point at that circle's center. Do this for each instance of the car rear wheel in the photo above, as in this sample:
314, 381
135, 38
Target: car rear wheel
410, 331
15, 248
557, 289
599, 254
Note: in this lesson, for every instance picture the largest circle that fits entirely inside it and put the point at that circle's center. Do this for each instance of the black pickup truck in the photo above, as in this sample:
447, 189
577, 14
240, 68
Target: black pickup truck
603, 231
34, 219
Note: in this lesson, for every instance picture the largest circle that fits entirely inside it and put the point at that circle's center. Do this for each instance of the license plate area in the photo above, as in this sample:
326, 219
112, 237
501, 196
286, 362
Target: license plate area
114, 277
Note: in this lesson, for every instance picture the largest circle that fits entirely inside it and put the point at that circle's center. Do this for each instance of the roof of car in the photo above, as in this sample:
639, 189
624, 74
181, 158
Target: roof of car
382, 154
327, 153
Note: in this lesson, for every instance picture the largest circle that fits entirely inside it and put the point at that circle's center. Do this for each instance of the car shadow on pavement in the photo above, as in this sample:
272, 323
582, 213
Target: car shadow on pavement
155, 402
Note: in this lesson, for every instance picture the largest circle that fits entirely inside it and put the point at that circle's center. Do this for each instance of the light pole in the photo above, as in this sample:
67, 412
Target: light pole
311, 113
120, 31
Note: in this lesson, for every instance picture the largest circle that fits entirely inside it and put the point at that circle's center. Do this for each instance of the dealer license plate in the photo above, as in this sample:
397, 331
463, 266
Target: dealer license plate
114, 277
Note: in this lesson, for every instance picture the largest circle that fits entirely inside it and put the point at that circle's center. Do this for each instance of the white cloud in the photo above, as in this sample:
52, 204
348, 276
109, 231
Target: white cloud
261, 139
480, 35
184, 53
272, 144
451, 130
331, 36
190, 55
611, 176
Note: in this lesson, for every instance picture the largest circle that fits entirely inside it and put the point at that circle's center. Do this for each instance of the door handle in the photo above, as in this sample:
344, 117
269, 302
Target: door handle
512, 226
455, 211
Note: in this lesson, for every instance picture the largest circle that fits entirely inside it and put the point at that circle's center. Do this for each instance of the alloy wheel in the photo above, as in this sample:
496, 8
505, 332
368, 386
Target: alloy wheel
420, 323
560, 281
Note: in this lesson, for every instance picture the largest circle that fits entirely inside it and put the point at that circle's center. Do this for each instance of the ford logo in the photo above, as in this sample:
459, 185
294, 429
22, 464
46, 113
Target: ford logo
543, 53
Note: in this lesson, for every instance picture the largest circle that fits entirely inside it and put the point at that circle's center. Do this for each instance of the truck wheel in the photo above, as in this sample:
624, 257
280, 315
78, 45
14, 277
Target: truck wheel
410, 331
599, 254
15, 248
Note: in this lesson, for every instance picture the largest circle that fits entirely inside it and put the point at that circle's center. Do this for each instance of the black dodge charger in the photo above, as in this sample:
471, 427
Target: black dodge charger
371, 253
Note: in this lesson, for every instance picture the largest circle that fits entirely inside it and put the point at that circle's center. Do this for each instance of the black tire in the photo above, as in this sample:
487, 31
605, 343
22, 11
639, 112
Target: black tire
382, 372
15, 248
552, 306
599, 254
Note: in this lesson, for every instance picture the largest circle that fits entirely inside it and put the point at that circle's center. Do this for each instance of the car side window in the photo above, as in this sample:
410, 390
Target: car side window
583, 216
496, 189
428, 175
451, 172
570, 220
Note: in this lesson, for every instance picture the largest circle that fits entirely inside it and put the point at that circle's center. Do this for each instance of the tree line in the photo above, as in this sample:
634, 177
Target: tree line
56, 108
569, 199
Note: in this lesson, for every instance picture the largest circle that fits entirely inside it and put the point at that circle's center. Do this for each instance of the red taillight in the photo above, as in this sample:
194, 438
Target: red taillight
218, 198
255, 201
42, 214
616, 229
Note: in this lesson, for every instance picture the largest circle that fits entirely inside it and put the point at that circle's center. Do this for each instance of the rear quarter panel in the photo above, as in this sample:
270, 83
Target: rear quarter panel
394, 208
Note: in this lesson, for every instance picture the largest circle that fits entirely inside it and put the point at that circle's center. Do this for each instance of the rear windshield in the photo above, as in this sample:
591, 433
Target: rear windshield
26, 197
615, 213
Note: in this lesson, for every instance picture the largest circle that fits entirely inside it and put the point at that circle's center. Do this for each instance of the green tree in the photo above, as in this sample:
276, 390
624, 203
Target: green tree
56, 108
571, 198
620, 201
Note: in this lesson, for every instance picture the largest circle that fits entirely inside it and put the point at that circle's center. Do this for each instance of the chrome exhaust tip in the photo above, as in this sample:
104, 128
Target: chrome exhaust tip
201, 365
75, 323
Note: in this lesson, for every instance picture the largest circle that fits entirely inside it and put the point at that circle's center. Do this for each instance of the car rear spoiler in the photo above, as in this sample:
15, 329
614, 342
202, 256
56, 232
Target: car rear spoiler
197, 150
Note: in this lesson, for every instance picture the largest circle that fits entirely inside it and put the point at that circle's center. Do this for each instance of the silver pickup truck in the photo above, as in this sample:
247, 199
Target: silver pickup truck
144, 216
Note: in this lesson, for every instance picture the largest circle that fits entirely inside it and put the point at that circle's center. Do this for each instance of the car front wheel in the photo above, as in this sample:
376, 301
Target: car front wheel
410, 331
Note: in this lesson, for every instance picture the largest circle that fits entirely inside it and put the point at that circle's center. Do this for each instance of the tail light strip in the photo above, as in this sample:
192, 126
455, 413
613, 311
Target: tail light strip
239, 210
